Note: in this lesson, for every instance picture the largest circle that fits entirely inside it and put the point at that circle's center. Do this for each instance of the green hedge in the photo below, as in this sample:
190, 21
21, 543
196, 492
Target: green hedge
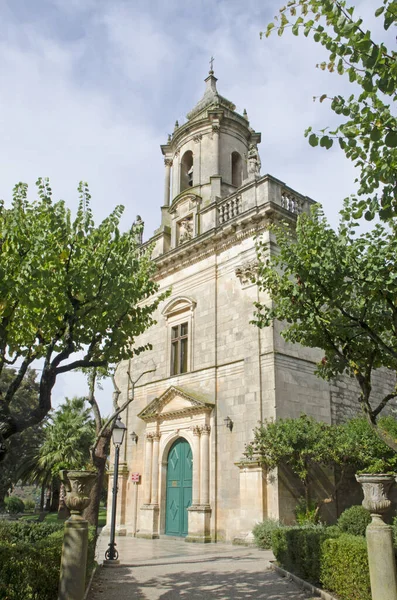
323, 555
30, 571
26, 531
299, 549
344, 568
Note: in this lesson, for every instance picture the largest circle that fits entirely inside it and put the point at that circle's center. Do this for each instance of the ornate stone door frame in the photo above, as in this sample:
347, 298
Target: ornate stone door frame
176, 413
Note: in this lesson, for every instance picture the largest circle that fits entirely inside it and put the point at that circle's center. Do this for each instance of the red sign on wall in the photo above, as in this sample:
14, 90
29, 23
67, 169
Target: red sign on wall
135, 477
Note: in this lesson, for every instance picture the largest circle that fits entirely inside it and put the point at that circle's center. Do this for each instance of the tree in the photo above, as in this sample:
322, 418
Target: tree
67, 287
338, 292
103, 431
68, 437
368, 136
305, 444
24, 446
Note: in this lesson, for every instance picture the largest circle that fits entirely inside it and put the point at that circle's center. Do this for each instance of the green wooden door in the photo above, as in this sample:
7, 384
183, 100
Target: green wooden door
179, 488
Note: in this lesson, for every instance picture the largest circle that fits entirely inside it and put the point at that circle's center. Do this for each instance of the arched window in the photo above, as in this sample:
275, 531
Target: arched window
186, 170
237, 169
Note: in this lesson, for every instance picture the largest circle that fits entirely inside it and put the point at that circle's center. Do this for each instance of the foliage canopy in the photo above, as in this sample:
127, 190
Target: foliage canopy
368, 135
72, 294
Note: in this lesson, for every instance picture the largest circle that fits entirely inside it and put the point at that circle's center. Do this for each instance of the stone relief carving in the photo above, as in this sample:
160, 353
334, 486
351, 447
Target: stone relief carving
198, 138
247, 272
185, 230
254, 162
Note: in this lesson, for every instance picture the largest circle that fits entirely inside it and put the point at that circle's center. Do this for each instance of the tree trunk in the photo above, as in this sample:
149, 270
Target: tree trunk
91, 513
55, 495
42, 496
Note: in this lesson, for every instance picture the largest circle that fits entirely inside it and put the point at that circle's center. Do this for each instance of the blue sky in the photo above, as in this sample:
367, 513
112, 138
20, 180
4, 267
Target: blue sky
89, 89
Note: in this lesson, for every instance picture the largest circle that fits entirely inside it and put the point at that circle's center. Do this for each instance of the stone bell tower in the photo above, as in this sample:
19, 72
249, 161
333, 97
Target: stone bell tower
206, 159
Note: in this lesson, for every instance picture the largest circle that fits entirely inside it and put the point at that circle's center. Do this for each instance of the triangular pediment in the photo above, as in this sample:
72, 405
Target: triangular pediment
175, 402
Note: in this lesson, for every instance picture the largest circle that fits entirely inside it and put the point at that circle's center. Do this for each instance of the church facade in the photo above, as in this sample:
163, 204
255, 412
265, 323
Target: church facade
182, 470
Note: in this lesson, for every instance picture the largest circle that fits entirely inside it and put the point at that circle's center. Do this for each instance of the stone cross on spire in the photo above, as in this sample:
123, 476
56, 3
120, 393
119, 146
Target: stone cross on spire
212, 65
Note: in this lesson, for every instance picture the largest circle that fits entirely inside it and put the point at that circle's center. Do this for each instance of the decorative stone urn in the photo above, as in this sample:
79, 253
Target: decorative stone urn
376, 490
78, 485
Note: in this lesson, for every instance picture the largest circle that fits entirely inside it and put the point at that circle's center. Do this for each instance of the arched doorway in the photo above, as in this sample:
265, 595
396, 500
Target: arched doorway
179, 488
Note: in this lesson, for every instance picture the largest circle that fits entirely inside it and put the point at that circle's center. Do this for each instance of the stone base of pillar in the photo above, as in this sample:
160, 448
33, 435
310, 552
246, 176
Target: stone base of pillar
199, 524
149, 522
120, 531
244, 539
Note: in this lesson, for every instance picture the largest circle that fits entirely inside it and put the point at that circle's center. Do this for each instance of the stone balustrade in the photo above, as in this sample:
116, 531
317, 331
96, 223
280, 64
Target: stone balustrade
229, 209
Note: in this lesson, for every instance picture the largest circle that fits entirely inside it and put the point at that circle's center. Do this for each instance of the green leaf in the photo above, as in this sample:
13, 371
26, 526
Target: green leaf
376, 134
313, 140
391, 139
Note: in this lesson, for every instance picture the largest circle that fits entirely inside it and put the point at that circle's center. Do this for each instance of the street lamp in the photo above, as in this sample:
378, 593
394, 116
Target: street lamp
117, 438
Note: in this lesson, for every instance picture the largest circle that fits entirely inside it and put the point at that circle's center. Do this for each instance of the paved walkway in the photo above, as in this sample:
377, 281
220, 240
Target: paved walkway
169, 569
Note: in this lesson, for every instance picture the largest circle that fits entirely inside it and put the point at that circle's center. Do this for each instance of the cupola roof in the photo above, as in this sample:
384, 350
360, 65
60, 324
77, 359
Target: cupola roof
211, 97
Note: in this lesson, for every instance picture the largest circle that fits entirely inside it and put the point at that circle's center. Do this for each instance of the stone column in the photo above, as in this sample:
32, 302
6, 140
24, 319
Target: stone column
381, 559
176, 184
205, 465
148, 469
196, 466
167, 181
197, 159
155, 470
215, 136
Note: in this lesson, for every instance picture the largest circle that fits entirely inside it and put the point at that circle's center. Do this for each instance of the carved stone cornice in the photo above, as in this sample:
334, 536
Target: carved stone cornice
168, 162
213, 242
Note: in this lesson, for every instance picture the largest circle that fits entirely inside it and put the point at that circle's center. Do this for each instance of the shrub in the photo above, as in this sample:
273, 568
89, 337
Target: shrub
14, 505
354, 520
298, 549
344, 568
15, 532
30, 571
30, 505
306, 514
263, 533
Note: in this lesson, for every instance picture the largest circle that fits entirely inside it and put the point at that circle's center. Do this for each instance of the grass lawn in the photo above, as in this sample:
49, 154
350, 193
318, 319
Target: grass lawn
53, 517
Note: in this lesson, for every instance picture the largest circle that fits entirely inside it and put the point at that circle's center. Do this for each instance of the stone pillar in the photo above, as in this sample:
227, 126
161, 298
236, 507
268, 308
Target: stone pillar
78, 485
149, 513
167, 181
253, 508
176, 184
200, 511
121, 500
155, 470
74, 560
205, 465
197, 159
148, 469
215, 136
196, 466
381, 560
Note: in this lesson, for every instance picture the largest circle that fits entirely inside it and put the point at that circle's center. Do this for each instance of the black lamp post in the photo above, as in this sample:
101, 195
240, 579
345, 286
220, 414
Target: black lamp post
117, 437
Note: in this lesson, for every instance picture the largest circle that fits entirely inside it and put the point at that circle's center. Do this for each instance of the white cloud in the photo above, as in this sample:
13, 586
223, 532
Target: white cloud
90, 88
